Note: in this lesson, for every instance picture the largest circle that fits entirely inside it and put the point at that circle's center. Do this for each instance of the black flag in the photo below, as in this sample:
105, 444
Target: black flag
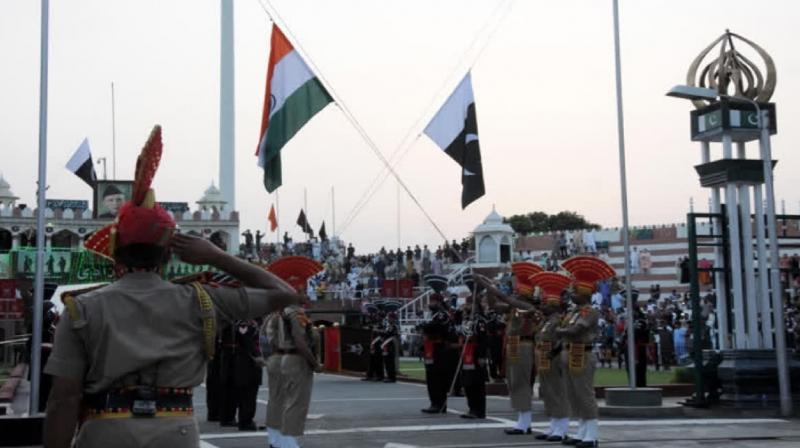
323, 235
454, 128
303, 223
81, 164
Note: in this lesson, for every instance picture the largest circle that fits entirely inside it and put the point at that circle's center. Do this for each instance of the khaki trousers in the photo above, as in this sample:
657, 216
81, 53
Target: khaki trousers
518, 376
297, 380
553, 390
275, 385
156, 432
580, 387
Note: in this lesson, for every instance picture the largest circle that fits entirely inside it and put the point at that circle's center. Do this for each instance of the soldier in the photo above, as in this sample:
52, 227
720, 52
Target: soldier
227, 373
436, 337
552, 386
390, 332
522, 326
578, 335
298, 362
274, 380
247, 373
375, 367
495, 328
127, 356
474, 340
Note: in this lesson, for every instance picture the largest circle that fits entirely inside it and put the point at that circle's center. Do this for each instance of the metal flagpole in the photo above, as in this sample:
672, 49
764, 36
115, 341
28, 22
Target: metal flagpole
113, 134
624, 193
399, 251
38, 299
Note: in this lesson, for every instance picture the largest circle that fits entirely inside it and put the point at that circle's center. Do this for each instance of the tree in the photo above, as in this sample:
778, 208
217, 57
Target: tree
542, 222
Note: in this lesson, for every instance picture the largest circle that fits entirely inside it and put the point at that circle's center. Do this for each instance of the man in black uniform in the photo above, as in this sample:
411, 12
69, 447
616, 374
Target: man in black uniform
389, 333
474, 340
436, 338
247, 373
375, 367
495, 330
227, 373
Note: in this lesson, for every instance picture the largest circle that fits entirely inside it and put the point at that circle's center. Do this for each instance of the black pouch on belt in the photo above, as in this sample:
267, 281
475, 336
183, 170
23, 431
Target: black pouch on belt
144, 401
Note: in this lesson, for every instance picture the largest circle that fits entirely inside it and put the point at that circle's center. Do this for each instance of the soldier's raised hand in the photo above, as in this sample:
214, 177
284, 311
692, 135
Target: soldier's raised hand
195, 250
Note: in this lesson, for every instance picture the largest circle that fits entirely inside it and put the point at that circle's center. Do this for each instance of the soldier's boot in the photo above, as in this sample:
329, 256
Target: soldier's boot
590, 434
523, 425
579, 437
275, 437
550, 430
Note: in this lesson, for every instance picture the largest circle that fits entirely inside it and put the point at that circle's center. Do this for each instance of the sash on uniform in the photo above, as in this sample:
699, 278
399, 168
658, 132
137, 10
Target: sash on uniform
577, 358
512, 348
428, 347
543, 356
468, 361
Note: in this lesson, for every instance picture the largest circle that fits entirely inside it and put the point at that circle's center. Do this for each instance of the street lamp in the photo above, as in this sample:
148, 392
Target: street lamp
703, 93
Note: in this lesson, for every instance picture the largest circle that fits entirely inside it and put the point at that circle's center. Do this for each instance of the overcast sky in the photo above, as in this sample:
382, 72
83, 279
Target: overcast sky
543, 84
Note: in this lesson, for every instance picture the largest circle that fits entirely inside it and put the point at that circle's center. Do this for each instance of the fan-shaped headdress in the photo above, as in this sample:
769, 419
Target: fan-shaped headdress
587, 271
140, 220
523, 270
295, 270
551, 285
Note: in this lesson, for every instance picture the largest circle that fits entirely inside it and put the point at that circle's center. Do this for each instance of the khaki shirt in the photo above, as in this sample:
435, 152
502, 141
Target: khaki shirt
143, 330
585, 323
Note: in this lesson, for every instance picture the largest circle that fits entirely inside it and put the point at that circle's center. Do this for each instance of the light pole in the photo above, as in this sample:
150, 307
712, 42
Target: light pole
701, 93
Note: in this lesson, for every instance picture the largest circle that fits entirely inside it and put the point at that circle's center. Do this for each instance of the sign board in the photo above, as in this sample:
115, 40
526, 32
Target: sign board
175, 207
64, 204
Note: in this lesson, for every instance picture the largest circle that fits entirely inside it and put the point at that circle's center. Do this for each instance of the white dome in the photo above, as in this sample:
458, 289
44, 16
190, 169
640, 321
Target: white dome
494, 224
6, 195
212, 195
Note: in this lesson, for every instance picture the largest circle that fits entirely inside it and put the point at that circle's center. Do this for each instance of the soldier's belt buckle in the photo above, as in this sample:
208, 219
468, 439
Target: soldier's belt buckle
144, 408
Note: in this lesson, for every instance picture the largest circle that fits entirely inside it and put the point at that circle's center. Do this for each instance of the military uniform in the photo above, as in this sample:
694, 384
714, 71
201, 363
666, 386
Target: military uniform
247, 373
389, 333
275, 405
495, 328
474, 340
375, 367
296, 374
578, 334
520, 334
164, 349
437, 335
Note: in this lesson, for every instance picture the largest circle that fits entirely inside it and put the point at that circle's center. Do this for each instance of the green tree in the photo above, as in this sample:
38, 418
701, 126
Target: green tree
542, 222
567, 220
520, 223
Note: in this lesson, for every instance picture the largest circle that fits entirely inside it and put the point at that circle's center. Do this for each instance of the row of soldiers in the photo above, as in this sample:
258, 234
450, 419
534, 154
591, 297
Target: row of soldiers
541, 337
383, 347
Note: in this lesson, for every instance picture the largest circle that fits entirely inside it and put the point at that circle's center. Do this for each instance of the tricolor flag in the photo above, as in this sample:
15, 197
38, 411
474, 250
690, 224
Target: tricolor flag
293, 96
273, 219
81, 164
455, 129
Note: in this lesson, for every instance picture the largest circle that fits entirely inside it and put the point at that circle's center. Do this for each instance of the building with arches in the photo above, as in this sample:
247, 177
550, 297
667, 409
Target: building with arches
494, 241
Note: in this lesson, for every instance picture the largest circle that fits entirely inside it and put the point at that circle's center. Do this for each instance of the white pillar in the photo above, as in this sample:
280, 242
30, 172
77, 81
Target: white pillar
753, 335
15, 241
227, 175
763, 269
740, 335
719, 261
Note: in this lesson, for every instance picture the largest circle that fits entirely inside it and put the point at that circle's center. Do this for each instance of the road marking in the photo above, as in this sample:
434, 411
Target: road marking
204, 444
472, 426
399, 445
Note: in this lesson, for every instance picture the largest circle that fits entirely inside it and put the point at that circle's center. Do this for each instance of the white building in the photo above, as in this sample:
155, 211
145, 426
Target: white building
494, 241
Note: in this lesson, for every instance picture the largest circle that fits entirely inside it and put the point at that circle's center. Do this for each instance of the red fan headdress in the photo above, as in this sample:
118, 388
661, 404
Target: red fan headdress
140, 220
588, 271
523, 270
295, 270
551, 285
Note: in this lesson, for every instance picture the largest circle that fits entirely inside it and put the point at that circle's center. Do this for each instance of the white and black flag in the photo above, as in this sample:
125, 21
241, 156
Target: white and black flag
81, 164
455, 129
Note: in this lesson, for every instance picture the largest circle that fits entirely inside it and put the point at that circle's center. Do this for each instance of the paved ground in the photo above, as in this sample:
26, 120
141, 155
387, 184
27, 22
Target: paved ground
347, 413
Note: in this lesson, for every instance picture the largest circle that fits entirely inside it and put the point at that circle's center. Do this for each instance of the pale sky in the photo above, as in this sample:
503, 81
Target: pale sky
543, 85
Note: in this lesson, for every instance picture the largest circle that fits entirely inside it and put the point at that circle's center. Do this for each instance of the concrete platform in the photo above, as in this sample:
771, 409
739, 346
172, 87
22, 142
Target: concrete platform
669, 408
639, 397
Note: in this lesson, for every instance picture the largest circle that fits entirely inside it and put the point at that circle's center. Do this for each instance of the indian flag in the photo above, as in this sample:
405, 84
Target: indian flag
293, 96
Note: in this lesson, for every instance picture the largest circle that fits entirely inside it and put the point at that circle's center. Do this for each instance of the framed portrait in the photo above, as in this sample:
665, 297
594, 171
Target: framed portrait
109, 195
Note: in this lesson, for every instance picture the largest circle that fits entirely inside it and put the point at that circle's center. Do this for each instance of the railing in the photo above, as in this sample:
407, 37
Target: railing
414, 312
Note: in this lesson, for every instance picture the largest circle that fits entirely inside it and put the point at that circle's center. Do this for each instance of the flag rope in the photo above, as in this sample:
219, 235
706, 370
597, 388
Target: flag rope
273, 15
406, 144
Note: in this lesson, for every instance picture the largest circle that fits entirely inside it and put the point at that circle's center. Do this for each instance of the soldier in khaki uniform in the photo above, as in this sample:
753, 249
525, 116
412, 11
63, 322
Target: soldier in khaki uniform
523, 321
552, 381
127, 356
578, 335
272, 328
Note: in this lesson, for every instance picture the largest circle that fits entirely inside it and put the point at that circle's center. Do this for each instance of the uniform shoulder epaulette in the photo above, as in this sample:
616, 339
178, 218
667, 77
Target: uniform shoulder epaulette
207, 314
71, 306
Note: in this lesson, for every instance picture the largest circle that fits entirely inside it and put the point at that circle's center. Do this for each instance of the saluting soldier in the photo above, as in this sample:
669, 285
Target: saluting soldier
578, 335
552, 382
436, 338
272, 328
496, 329
127, 356
375, 366
523, 320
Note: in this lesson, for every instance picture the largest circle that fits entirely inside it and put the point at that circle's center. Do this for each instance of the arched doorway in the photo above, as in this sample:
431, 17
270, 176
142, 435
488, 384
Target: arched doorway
6, 240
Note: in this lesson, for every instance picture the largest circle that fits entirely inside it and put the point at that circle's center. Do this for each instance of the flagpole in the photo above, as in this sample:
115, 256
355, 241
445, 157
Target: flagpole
113, 135
38, 300
624, 193
333, 211
399, 265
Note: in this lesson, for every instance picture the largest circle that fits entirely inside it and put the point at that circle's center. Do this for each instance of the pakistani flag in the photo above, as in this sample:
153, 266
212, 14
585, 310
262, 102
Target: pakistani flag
293, 96
455, 129
81, 164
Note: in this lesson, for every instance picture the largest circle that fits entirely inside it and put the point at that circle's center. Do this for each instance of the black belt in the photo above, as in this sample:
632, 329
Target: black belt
286, 352
143, 401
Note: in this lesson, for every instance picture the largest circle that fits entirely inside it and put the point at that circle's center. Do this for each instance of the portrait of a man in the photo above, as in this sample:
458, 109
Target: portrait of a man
109, 197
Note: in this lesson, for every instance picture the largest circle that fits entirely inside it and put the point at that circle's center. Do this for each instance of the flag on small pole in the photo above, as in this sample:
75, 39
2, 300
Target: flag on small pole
454, 129
293, 96
81, 164
303, 223
273, 219
323, 235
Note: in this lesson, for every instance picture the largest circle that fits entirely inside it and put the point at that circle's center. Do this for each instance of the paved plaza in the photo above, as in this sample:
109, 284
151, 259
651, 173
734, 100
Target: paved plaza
346, 412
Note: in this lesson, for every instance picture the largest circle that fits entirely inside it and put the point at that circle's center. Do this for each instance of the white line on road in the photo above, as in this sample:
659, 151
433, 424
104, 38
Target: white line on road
468, 426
